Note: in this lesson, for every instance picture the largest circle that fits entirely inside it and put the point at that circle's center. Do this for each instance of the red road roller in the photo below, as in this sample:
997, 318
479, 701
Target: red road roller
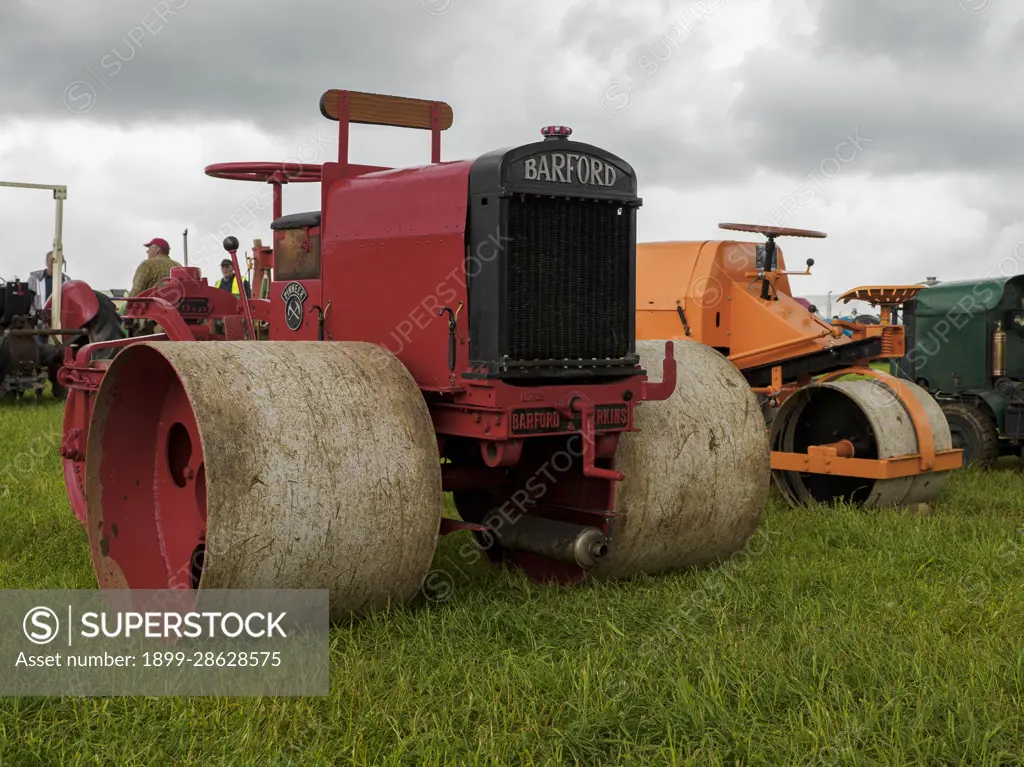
463, 327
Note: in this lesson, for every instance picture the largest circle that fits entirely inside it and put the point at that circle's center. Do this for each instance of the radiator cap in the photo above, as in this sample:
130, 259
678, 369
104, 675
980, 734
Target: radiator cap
556, 132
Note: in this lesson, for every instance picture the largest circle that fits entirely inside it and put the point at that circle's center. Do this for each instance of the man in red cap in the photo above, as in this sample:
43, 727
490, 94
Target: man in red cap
150, 273
155, 268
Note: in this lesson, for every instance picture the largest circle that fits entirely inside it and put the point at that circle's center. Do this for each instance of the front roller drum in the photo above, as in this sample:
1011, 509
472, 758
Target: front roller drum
869, 420
271, 465
697, 471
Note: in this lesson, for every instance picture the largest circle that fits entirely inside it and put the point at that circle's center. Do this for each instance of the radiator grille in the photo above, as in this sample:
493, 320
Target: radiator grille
235, 328
567, 281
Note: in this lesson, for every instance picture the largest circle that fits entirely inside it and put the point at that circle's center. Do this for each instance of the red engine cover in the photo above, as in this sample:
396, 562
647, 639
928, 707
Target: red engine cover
394, 254
79, 304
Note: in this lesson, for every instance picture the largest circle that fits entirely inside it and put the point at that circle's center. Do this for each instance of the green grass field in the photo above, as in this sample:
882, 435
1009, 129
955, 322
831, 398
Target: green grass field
838, 637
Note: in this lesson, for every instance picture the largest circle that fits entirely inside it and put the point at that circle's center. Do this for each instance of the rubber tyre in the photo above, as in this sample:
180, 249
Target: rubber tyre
58, 391
974, 430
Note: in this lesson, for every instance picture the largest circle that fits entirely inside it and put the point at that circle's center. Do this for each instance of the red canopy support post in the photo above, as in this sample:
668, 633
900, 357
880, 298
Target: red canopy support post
344, 105
278, 203
435, 132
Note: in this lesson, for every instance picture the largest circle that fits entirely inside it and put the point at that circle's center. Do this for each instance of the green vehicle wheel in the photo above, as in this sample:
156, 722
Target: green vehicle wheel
974, 431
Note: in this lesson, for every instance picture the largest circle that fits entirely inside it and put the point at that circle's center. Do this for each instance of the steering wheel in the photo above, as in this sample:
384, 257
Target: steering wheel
772, 231
266, 172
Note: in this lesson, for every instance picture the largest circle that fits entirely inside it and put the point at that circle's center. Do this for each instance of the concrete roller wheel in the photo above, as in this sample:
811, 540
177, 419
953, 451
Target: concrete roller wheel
873, 417
697, 472
264, 465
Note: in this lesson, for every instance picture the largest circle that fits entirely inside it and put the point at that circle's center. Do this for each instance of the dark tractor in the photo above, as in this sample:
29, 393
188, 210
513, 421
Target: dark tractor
25, 363
27, 358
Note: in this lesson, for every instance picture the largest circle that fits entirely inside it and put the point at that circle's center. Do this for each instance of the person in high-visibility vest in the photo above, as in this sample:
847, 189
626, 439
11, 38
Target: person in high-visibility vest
230, 281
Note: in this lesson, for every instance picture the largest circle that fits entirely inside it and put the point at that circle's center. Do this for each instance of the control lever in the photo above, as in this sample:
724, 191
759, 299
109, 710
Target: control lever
682, 316
321, 313
453, 318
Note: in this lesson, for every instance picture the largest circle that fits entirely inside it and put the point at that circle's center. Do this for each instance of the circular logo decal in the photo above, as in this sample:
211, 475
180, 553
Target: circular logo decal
294, 296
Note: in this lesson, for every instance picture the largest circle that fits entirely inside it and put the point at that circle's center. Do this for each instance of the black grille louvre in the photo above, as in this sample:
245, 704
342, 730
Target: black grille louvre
567, 279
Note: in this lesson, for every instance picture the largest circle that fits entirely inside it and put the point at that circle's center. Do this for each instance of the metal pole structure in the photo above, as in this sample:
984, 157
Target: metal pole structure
60, 193
185, 235
58, 263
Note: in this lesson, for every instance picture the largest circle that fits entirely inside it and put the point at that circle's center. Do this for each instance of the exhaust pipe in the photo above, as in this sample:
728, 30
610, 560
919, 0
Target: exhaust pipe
562, 541
999, 351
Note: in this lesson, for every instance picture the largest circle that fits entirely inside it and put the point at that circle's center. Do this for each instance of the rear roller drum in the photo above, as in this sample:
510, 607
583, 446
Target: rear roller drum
873, 419
697, 472
275, 465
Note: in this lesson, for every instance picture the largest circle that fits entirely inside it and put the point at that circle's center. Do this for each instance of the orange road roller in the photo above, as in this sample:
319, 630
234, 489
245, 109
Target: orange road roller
839, 430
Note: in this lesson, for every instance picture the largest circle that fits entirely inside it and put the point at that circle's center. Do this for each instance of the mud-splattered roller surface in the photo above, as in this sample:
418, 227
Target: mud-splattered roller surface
697, 472
319, 461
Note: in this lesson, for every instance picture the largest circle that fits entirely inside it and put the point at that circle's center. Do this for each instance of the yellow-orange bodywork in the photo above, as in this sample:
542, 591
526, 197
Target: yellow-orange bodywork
715, 284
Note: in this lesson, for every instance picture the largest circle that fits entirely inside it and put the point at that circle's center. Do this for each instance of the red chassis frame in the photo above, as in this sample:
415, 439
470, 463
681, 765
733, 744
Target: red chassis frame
498, 437
492, 414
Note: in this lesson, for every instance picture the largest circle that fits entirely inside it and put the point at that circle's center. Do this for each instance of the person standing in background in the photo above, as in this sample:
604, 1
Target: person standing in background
156, 267
230, 281
41, 282
149, 274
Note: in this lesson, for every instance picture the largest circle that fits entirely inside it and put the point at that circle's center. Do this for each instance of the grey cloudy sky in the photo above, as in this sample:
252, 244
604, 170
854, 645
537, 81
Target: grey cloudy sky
890, 125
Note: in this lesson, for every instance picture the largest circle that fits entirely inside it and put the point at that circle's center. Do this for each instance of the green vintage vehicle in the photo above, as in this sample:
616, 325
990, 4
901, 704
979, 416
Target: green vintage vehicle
965, 345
